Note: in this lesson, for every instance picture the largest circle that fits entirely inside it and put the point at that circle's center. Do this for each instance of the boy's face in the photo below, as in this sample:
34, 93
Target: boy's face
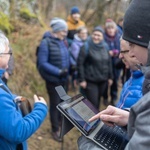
76, 16
132, 55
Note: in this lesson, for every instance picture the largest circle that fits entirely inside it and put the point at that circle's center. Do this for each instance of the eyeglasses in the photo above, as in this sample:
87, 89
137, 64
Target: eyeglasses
9, 53
124, 51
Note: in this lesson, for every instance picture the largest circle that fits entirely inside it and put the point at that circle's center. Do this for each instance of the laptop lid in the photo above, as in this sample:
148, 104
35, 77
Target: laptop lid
79, 110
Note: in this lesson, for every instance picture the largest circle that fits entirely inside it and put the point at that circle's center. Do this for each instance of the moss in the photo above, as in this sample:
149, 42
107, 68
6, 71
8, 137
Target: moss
5, 25
26, 14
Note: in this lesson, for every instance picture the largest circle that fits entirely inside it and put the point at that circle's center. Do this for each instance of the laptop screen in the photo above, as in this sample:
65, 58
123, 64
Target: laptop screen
80, 110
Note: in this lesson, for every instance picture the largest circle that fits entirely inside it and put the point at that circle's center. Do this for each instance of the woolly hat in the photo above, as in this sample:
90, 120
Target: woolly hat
110, 23
74, 10
98, 28
58, 24
136, 26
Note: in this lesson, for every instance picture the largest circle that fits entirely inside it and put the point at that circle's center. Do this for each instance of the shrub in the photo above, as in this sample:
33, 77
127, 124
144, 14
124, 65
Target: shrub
26, 14
5, 25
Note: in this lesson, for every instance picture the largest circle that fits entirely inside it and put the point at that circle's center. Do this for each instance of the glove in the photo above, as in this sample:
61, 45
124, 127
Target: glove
115, 52
73, 69
63, 72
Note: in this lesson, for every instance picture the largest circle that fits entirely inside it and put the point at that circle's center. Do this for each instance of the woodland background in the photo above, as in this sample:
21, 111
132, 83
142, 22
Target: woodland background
24, 22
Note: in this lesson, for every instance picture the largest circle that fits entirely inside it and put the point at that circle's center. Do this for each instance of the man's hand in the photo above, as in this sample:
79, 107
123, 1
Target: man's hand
63, 72
39, 100
83, 84
112, 115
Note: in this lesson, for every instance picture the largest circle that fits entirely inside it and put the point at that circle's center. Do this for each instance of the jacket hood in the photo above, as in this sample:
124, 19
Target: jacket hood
47, 34
76, 37
137, 73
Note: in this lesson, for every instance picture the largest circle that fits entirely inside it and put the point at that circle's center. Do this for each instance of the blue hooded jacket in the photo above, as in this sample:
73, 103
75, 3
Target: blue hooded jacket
132, 90
15, 129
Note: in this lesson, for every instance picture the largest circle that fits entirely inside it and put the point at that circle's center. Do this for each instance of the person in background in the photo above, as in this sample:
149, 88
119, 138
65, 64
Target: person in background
120, 23
94, 66
74, 22
132, 89
79, 38
53, 65
15, 128
112, 37
120, 65
138, 118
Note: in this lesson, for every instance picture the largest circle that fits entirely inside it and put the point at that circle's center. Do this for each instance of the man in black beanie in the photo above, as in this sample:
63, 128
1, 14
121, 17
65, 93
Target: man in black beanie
136, 30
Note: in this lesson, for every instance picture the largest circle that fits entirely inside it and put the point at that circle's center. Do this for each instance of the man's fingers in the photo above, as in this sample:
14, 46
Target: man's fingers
109, 123
36, 98
110, 119
108, 111
94, 118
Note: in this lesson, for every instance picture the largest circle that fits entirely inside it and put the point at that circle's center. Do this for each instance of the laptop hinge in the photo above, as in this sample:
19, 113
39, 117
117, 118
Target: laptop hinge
62, 93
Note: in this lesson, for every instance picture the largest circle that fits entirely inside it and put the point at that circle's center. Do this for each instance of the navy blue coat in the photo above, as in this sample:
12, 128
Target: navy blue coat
53, 56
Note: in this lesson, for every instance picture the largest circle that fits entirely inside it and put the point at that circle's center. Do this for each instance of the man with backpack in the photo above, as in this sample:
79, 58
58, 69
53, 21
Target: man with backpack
53, 62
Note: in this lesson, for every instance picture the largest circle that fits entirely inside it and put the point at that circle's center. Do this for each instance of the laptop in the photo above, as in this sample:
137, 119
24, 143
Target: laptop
78, 110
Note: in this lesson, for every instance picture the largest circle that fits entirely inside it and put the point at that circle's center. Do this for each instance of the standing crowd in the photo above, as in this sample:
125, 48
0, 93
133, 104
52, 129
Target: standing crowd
91, 60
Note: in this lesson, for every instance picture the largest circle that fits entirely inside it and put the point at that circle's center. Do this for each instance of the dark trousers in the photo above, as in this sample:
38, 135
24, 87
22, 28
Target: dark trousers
114, 86
54, 100
94, 91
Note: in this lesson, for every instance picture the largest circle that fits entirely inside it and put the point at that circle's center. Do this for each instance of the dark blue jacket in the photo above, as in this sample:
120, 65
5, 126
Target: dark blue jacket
15, 129
132, 90
53, 56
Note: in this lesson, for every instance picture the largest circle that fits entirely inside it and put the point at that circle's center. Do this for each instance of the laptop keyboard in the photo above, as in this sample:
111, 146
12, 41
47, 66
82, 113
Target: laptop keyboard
110, 137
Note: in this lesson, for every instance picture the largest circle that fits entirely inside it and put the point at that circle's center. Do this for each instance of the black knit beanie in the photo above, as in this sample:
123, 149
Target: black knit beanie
136, 26
99, 28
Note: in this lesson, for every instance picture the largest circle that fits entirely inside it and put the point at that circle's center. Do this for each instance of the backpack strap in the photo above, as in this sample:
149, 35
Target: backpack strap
86, 46
47, 39
4, 88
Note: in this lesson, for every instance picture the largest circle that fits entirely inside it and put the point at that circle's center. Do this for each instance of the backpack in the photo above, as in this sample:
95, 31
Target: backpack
86, 46
38, 48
